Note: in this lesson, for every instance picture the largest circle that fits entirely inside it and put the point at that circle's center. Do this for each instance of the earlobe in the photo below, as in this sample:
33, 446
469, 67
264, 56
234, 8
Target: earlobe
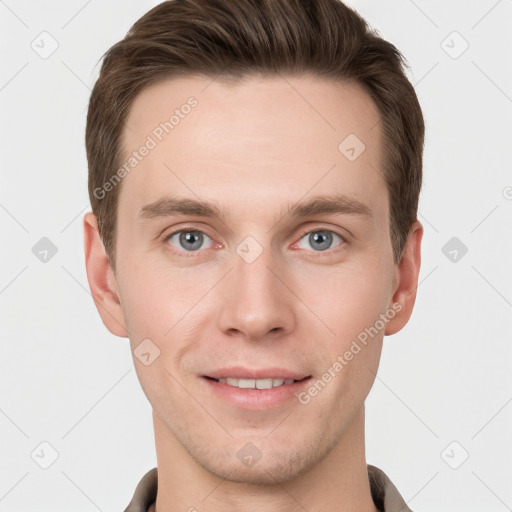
102, 281
406, 278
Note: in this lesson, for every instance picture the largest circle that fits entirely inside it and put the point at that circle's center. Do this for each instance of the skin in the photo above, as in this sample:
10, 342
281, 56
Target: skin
256, 147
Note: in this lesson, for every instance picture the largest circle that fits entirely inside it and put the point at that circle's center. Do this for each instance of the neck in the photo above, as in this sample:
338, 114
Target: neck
339, 482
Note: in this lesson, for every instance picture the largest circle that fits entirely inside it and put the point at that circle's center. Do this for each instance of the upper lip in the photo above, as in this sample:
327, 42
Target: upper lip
239, 372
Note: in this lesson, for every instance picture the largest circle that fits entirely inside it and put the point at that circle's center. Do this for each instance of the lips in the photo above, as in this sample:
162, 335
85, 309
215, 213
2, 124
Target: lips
256, 383
265, 378
239, 372
255, 389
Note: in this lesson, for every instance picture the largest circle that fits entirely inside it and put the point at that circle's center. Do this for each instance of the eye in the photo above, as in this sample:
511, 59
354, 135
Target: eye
189, 239
321, 239
192, 240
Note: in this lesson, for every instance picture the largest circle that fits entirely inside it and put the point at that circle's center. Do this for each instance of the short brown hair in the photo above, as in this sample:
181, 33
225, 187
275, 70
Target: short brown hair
235, 38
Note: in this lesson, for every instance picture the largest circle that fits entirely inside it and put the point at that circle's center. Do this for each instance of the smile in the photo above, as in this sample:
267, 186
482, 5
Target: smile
256, 383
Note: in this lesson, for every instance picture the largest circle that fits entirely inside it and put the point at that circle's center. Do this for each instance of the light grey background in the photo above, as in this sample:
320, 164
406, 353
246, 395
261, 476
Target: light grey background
443, 391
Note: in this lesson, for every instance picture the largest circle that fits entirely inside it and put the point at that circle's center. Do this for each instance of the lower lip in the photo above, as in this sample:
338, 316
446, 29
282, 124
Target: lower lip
256, 399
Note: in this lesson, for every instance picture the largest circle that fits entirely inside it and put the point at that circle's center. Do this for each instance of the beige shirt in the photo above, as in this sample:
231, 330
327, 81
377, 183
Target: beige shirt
385, 495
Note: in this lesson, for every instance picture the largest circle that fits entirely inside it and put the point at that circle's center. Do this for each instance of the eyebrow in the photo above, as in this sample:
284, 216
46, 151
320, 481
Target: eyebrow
324, 204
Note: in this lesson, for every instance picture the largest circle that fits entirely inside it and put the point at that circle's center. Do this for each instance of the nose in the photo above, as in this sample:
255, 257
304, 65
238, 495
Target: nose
257, 302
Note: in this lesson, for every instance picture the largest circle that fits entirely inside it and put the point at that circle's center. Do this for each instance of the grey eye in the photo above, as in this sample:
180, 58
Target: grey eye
190, 240
320, 240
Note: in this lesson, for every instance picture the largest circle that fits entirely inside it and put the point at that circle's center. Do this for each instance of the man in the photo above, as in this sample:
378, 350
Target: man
225, 140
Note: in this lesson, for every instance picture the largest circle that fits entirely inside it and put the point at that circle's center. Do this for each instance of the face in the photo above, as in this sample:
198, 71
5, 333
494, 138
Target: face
258, 289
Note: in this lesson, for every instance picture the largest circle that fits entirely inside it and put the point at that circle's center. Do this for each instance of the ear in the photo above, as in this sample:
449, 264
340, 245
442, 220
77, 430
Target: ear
102, 281
406, 280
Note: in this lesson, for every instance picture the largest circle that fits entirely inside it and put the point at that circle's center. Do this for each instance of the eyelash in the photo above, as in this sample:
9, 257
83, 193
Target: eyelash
302, 235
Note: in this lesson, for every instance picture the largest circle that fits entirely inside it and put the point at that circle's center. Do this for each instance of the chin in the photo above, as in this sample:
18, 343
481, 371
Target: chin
260, 474
273, 466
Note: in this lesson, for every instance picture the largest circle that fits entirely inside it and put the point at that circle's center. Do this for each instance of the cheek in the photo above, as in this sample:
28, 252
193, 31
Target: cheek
347, 299
350, 333
350, 349
149, 293
164, 304
158, 306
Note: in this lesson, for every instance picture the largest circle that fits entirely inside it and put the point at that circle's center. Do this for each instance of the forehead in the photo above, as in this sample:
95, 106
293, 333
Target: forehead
285, 136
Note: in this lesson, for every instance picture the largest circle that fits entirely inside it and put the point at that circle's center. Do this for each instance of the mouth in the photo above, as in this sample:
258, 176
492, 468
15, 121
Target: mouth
255, 389
267, 383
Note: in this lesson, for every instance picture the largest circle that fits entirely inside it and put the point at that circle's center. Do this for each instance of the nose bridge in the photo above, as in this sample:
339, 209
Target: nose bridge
255, 301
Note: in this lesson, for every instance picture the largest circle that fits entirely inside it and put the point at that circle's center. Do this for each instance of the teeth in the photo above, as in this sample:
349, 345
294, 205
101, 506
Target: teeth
255, 383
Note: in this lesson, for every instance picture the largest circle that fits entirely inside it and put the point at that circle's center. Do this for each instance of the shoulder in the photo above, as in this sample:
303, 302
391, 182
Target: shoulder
384, 493
145, 493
